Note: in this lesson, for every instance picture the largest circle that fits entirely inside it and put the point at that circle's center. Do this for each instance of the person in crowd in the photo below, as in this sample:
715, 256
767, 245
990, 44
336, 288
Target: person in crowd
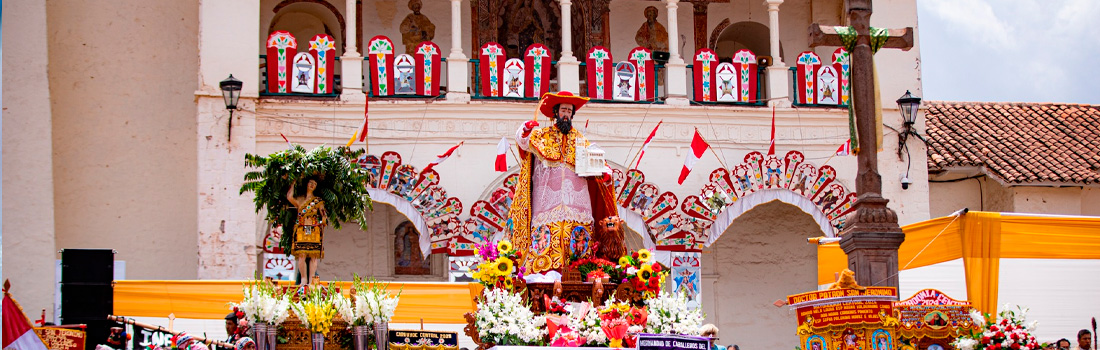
245, 343
710, 331
1062, 344
1084, 340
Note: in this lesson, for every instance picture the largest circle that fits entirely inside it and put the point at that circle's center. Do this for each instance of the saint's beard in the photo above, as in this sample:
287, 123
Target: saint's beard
564, 125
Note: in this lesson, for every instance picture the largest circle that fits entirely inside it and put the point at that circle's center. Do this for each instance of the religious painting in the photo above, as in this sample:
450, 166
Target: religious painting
827, 86
625, 78
416, 28
517, 24
579, 242
406, 74
513, 78
816, 342
882, 340
687, 276
652, 34
407, 257
936, 319
305, 71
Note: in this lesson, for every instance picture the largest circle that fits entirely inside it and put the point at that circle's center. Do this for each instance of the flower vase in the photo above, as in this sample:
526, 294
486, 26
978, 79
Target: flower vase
359, 337
318, 341
272, 330
260, 333
382, 335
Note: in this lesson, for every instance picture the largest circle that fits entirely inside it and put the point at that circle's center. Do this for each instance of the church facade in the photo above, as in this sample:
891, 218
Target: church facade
160, 185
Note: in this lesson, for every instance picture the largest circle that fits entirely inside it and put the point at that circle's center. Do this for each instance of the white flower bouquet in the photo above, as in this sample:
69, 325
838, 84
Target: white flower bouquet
373, 301
503, 319
264, 303
585, 319
1007, 332
670, 314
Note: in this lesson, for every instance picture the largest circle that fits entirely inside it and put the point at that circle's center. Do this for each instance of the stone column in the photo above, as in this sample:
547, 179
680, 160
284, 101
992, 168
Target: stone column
351, 64
458, 67
568, 65
778, 84
227, 236
676, 69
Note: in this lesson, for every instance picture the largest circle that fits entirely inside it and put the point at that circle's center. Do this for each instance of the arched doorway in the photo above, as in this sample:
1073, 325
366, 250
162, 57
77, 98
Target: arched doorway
371, 253
760, 258
304, 19
744, 35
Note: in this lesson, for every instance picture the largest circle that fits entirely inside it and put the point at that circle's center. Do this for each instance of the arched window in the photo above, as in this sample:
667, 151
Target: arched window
743, 35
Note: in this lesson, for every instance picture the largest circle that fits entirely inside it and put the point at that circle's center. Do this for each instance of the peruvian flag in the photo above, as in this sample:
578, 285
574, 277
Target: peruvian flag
698, 146
442, 157
771, 148
646, 144
366, 121
845, 148
502, 148
18, 334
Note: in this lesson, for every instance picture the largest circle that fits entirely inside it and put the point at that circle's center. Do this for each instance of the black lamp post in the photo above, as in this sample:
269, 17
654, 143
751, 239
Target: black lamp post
908, 104
231, 92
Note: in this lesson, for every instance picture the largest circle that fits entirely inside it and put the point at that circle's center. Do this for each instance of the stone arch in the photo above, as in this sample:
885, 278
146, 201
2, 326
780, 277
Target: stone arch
370, 252
306, 18
746, 204
750, 35
760, 258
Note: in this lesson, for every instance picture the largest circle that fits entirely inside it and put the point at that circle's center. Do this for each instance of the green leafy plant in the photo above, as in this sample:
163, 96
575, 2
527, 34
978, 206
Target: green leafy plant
341, 183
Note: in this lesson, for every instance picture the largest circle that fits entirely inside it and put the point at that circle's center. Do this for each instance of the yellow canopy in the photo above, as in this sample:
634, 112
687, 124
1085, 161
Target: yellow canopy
981, 239
432, 302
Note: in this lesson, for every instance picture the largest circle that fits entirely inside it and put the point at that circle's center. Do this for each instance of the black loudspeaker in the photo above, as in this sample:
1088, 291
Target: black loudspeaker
87, 293
87, 266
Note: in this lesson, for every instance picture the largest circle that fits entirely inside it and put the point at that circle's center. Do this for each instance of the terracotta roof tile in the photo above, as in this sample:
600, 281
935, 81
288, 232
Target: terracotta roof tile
1017, 142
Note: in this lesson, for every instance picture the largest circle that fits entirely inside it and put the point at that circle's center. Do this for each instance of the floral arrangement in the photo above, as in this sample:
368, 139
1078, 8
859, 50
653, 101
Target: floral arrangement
374, 299
1007, 332
263, 303
670, 314
621, 322
502, 318
597, 268
585, 320
316, 307
646, 277
497, 268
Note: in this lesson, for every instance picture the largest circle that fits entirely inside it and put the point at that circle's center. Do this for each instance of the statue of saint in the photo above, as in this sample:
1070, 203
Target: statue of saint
309, 231
652, 35
554, 209
416, 28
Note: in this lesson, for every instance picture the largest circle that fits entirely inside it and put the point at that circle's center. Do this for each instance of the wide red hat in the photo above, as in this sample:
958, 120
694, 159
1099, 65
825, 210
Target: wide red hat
550, 99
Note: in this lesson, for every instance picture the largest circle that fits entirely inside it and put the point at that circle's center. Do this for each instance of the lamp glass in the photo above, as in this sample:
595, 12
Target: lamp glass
231, 91
908, 104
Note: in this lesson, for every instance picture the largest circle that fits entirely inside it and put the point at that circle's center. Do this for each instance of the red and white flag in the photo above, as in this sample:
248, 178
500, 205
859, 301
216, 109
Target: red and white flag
771, 148
646, 144
366, 121
845, 148
442, 157
502, 148
698, 146
18, 334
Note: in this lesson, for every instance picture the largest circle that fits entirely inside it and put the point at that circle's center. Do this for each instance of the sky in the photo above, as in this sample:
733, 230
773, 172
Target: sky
1010, 50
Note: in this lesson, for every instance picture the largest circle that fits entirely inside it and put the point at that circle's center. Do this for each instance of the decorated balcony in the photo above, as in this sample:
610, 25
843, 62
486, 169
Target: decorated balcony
818, 83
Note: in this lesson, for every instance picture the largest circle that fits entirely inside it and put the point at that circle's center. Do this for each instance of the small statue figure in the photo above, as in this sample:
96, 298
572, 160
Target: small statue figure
309, 230
652, 35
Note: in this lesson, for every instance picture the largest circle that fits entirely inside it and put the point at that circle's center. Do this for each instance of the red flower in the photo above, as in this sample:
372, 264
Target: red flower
1015, 346
985, 340
993, 328
656, 267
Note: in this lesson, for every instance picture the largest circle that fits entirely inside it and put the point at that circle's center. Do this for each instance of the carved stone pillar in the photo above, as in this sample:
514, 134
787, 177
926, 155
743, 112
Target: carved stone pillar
351, 64
773, 31
458, 73
676, 70
568, 66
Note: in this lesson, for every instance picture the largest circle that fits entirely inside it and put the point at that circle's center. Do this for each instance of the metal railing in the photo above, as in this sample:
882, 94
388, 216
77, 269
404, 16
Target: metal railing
795, 93
760, 99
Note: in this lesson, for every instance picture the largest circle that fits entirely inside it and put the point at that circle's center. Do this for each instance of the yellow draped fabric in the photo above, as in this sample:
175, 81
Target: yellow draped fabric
981, 239
432, 302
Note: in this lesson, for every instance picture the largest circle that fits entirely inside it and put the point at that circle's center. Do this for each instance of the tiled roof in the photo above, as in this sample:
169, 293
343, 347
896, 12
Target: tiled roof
1019, 143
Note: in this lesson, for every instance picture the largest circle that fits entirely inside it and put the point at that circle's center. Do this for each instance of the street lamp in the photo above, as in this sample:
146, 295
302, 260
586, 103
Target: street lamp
231, 92
908, 104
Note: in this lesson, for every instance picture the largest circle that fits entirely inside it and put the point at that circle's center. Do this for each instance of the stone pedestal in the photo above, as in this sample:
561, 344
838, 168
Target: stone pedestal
871, 239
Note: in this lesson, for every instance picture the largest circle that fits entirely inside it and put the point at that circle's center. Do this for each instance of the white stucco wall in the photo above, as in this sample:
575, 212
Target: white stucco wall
123, 131
1047, 200
1090, 201
28, 220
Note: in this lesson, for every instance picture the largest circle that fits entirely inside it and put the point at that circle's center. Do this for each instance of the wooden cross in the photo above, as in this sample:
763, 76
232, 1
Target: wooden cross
871, 232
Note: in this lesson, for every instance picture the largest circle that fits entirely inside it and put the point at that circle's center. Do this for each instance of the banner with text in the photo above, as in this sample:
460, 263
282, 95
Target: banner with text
671, 342
423, 340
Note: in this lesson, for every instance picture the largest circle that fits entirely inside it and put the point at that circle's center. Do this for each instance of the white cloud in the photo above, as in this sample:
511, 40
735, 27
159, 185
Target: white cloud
975, 19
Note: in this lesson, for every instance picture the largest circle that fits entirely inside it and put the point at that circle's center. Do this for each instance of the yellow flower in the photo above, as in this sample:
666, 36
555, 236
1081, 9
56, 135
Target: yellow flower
624, 261
645, 272
508, 283
644, 256
623, 308
504, 247
503, 267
